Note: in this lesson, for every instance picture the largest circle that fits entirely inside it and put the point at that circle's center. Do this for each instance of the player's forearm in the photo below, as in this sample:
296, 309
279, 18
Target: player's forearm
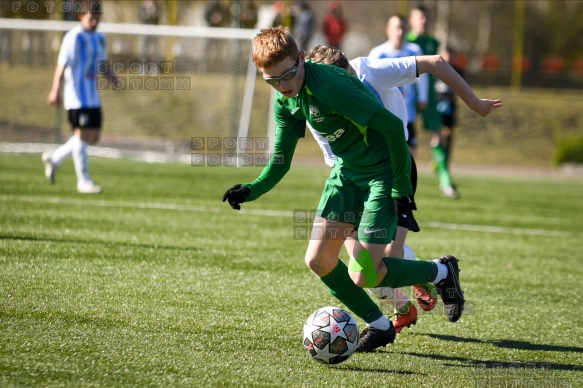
439, 68
270, 176
279, 164
58, 78
54, 95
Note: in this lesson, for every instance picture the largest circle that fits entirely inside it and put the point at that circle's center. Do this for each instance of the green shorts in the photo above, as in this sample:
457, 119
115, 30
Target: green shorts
432, 121
363, 200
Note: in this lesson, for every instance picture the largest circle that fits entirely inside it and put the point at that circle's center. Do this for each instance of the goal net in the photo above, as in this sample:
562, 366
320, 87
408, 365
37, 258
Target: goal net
178, 87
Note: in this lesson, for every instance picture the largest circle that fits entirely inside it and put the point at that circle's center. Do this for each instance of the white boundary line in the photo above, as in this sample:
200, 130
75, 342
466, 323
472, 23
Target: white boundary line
497, 229
100, 151
264, 212
141, 205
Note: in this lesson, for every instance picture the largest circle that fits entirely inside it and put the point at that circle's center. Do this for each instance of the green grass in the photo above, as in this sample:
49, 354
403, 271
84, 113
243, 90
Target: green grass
157, 283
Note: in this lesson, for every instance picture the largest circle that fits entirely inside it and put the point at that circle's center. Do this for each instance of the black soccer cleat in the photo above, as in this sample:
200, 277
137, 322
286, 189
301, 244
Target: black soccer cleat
450, 289
372, 338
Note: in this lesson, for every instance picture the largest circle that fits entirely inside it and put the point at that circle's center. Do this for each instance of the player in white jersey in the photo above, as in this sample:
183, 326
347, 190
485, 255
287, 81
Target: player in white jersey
381, 77
415, 95
82, 50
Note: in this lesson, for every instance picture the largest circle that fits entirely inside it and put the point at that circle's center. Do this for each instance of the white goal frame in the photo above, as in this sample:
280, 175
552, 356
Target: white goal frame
233, 34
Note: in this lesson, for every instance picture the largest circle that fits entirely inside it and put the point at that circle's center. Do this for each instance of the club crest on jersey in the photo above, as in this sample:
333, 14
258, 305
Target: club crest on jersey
315, 113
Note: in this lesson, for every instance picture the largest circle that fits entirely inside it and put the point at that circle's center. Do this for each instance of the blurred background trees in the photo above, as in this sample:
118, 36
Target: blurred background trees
547, 51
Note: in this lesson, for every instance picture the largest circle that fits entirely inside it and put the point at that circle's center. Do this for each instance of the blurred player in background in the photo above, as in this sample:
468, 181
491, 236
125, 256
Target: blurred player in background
335, 25
432, 121
81, 51
382, 77
414, 94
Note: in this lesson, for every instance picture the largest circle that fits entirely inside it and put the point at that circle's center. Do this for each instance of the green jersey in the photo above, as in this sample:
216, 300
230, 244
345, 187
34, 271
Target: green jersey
362, 133
429, 45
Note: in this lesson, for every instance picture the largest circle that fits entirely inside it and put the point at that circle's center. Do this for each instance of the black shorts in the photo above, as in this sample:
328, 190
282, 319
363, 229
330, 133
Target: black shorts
410, 223
448, 120
412, 140
85, 118
413, 174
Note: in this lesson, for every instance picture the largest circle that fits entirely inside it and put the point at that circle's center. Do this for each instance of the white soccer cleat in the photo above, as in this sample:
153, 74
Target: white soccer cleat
450, 192
50, 168
88, 188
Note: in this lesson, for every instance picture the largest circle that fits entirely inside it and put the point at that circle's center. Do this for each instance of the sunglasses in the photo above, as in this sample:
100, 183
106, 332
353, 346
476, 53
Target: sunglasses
288, 75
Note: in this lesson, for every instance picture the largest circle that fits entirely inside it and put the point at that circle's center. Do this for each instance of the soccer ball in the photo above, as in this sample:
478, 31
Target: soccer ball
330, 335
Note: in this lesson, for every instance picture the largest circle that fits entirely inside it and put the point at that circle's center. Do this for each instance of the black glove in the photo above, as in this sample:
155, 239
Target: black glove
236, 195
404, 207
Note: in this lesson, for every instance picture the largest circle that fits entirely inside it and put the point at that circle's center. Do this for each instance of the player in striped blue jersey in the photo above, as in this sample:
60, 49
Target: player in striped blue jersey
82, 49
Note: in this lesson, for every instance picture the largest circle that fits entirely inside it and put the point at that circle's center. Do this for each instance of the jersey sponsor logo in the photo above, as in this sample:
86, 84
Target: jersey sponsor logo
315, 113
333, 137
294, 110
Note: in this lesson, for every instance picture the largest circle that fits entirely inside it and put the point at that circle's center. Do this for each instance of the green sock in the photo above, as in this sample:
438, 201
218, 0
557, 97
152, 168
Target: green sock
354, 297
407, 273
440, 160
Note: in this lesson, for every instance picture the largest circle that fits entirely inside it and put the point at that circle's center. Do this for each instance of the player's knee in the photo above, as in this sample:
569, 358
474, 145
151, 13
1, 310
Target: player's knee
319, 265
91, 136
358, 278
94, 138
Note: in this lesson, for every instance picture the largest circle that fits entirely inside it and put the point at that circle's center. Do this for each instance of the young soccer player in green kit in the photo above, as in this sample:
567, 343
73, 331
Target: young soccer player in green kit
368, 188
432, 121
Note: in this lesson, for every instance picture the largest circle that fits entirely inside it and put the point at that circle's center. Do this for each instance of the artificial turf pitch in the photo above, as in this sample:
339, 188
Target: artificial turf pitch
155, 282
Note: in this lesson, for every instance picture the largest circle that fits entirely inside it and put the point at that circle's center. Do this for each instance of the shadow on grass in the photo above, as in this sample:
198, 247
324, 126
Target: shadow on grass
481, 365
502, 365
353, 368
93, 242
509, 344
